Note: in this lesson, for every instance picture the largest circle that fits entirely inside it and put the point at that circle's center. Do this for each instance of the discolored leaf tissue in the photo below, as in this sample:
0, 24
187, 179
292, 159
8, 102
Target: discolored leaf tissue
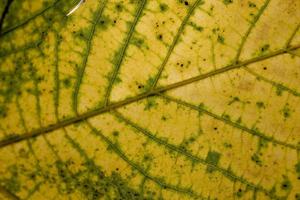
150, 99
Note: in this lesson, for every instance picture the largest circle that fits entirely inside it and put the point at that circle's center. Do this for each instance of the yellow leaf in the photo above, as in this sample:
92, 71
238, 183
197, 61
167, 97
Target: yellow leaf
149, 99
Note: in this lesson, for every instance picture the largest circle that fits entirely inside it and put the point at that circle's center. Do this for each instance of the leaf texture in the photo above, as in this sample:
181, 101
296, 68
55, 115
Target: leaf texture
150, 99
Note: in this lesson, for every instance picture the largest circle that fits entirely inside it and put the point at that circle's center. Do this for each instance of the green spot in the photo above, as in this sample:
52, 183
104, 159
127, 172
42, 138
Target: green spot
3, 111
239, 120
201, 106
163, 118
286, 111
119, 7
279, 90
13, 183
82, 33
147, 157
251, 4
234, 99
148, 84
23, 153
137, 42
239, 193
297, 168
151, 103
116, 133
262, 143
265, 48
255, 158
118, 80
221, 39
286, 184
227, 145
260, 104
103, 22
163, 7
212, 158
67, 83
227, 2
226, 116
196, 27
191, 139
159, 37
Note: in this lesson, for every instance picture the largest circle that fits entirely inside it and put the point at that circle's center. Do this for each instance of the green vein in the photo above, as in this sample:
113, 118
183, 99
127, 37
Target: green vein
135, 166
253, 23
293, 53
4, 13
273, 83
175, 41
8, 194
231, 123
213, 56
293, 35
123, 51
37, 96
55, 152
193, 158
38, 108
87, 52
127, 101
25, 21
25, 47
92, 166
56, 89
34, 190
28, 142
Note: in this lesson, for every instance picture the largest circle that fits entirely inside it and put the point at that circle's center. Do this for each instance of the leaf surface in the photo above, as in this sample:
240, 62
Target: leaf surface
150, 99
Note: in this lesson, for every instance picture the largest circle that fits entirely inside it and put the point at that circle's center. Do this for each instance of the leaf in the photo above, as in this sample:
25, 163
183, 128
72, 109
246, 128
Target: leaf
150, 99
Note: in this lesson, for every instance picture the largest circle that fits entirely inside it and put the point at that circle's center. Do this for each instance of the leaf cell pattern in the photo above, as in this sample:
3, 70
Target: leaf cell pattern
150, 99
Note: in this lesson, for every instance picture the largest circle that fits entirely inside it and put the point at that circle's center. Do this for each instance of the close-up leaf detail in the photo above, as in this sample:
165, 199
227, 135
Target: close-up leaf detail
149, 99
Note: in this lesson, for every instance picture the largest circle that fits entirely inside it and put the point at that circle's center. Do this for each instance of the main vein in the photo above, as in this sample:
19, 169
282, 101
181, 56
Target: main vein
95, 112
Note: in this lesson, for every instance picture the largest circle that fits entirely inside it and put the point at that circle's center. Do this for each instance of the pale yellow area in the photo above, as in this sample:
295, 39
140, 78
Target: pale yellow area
106, 43
287, 17
199, 52
145, 57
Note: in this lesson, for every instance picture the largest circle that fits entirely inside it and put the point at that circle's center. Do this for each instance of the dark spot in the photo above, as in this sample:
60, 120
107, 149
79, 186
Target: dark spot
239, 192
119, 7
160, 36
286, 111
221, 39
260, 104
163, 7
227, 2
116, 133
251, 4
286, 185
256, 159
186, 3
265, 48
67, 82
